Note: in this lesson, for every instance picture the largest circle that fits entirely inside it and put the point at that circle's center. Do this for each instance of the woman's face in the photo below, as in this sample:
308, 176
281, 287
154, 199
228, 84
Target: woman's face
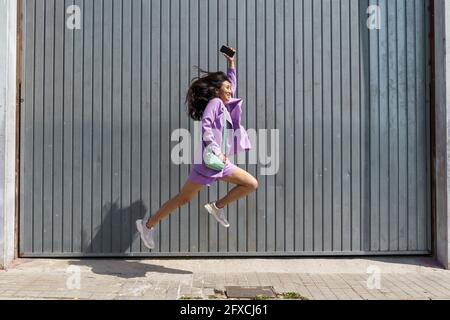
224, 92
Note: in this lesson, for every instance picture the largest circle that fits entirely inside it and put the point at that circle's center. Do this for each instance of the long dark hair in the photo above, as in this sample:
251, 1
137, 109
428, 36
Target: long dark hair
202, 90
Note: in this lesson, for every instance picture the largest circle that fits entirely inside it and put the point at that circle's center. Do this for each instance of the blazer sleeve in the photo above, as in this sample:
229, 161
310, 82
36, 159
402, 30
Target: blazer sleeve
208, 118
231, 74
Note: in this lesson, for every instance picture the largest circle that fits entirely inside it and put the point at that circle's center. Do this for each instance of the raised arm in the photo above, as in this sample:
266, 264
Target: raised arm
231, 72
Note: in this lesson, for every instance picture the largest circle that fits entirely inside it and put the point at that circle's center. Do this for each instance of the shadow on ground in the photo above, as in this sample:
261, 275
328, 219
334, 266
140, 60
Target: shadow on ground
124, 269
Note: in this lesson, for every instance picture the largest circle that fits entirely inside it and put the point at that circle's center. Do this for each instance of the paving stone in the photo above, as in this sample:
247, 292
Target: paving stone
23, 283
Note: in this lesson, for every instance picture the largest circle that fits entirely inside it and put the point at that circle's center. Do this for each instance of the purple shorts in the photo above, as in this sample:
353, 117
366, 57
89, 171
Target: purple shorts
198, 178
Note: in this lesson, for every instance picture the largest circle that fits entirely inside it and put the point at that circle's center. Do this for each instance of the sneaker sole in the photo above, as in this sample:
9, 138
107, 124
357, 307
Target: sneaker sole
139, 228
211, 212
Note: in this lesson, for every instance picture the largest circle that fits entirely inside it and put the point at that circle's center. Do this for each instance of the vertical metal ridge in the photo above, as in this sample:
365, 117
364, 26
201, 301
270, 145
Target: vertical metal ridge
341, 158
284, 120
189, 122
365, 156
361, 149
102, 122
322, 121
111, 169
379, 133
303, 116
427, 138
246, 200
44, 25
132, 200
389, 131
398, 121
369, 115
82, 128
407, 124
159, 106
245, 227
63, 89
63, 131
21, 121
198, 63
170, 117
227, 41
294, 127
218, 55
130, 191
121, 189
265, 243
313, 60
418, 125
351, 127
72, 136
141, 86
356, 160
246, 109
180, 108
415, 128
378, 147
275, 118
150, 89
430, 63
332, 131
53, 125
111, 139
92, 131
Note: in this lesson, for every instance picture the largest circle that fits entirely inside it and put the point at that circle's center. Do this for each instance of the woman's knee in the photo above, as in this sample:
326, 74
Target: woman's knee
253, 184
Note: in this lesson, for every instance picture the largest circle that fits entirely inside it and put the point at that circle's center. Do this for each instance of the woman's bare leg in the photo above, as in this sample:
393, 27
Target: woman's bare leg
189, 191
245, 182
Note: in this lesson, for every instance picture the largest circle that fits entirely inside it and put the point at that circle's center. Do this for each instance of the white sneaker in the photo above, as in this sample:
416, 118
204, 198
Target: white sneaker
146, 234
217, 213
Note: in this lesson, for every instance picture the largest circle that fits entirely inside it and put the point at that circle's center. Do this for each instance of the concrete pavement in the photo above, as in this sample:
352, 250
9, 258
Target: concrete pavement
337, 278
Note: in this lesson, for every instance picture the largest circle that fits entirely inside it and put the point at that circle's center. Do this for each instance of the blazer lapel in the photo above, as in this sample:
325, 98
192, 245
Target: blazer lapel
225, 111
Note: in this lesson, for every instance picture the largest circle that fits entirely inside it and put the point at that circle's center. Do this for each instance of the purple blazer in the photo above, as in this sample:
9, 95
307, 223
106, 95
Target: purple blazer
213, 124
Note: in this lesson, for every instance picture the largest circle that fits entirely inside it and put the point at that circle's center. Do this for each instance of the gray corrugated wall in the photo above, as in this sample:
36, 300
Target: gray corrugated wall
351, 105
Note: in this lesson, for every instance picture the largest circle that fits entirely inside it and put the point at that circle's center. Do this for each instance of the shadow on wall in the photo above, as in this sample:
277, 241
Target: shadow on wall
117, 231
115, 235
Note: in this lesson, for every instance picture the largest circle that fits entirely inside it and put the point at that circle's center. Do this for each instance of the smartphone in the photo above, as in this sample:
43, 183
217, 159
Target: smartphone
227, 51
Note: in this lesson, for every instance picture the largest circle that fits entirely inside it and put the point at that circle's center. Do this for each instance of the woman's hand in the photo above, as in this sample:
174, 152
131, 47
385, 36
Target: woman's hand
223, 158
230, 60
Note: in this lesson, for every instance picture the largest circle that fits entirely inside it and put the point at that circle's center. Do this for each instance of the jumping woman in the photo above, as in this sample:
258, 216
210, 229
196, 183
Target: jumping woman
210, 99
